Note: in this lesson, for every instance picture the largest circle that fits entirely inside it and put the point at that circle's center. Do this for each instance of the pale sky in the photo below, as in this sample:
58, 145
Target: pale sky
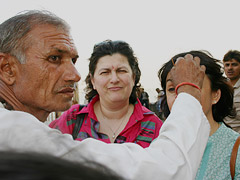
156, 29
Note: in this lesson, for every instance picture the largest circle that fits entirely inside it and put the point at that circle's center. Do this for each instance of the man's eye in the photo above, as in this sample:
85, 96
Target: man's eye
54, 58
74, 60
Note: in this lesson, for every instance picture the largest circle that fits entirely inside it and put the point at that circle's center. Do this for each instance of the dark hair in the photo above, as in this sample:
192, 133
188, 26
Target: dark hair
14, 31
34, 166
232, 54
224, 106
109, 47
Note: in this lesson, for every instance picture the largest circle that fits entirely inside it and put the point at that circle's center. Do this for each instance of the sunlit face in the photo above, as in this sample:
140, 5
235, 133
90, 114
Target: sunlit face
207, 95
46, 81
113, 78
232, 69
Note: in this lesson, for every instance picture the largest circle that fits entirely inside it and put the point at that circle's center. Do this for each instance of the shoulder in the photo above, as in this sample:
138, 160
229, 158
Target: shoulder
18, 121
73, 110
13, 115
150, 116
141, 112
68, 116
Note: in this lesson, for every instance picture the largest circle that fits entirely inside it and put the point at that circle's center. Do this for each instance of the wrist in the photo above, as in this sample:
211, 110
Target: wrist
189, 88
186, 83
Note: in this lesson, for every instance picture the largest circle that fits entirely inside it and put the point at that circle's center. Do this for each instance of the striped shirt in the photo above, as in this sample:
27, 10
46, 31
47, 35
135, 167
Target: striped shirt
142, 128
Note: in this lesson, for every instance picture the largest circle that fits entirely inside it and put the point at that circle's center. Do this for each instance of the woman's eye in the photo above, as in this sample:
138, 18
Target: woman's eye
122, 71
171, 89
103, 72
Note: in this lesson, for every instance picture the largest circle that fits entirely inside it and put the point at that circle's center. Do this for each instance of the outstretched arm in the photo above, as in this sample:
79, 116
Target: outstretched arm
174, 155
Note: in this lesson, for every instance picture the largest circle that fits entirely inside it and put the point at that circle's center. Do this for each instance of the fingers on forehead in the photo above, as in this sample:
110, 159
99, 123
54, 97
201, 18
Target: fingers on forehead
178, 59
197, 60
188, 56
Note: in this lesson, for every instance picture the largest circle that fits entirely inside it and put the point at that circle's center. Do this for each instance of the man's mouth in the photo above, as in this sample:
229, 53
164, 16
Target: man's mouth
230, 72
67, 91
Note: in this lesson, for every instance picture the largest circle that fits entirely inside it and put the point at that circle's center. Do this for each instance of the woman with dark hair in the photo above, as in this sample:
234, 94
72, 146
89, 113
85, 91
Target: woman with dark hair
217, 103
114, 113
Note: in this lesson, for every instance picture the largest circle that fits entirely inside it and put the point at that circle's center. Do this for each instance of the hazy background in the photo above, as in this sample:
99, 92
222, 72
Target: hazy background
156, 29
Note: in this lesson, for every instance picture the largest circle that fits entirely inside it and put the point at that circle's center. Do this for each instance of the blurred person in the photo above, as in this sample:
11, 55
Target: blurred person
144, 97
217, 103
160, 94
231, 62
37, 76
114, 113
35, 166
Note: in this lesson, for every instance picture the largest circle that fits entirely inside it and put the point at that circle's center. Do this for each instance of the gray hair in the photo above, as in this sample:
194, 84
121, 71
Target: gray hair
14, 38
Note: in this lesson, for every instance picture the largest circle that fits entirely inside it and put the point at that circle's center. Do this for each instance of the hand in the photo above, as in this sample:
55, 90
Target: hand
188, 69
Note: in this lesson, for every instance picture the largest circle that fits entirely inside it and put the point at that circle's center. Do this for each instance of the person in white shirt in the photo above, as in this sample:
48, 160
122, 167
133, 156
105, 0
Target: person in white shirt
38, 76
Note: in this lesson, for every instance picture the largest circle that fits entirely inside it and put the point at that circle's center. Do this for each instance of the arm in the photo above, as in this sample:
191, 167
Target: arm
175, 154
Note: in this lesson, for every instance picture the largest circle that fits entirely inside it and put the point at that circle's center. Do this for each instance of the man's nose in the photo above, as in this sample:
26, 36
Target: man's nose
71, 73
230, 66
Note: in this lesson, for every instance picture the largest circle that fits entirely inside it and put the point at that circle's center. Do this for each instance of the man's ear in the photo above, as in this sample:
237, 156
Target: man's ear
7, 68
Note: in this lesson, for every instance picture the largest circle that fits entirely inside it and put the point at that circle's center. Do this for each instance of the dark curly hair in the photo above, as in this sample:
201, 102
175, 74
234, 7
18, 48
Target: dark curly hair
224, 106
109, 47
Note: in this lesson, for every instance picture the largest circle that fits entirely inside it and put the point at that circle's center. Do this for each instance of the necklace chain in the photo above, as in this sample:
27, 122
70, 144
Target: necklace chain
109, 127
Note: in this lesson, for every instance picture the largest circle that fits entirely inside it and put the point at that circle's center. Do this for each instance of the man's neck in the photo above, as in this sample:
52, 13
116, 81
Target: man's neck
41, 115
11, 102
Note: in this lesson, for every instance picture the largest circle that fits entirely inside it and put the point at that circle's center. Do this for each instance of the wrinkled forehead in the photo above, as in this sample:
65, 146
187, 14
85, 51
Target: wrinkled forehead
49, 36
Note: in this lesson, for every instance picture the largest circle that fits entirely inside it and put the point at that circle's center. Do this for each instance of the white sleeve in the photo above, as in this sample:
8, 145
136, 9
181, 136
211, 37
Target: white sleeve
175, 154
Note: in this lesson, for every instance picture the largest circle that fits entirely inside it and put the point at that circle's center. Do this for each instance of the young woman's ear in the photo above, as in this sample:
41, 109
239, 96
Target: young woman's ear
216, 96
7, 68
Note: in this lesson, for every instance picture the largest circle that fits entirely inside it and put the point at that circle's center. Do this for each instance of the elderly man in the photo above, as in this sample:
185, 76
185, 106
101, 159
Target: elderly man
37, 76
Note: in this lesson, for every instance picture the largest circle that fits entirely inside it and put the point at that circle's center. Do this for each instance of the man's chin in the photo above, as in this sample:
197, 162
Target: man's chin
233, 77
65, 106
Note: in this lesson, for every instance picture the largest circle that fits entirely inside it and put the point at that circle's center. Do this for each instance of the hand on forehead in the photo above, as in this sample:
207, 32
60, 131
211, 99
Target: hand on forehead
188, 69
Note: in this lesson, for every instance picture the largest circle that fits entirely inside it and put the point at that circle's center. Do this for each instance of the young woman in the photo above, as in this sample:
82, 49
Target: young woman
217, 103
